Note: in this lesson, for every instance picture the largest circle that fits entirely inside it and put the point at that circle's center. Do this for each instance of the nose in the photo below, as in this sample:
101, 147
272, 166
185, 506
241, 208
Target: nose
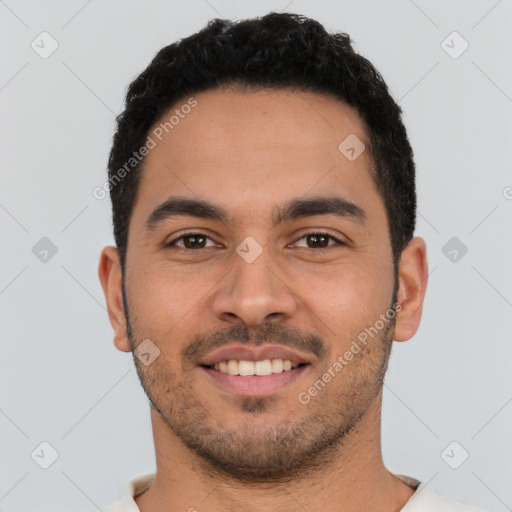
254, 291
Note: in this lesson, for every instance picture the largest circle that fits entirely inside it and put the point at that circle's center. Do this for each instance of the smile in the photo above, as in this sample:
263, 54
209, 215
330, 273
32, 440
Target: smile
253, 378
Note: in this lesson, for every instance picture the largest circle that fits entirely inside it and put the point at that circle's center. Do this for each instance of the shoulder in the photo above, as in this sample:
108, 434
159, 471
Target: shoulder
114, 507
135, 487
426, 499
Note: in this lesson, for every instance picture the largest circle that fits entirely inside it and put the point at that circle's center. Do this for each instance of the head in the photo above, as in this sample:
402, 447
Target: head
246, 124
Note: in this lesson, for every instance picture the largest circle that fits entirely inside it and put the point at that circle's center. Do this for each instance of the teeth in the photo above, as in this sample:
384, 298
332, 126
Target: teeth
246, 368
232, 367
263, 367
277, 365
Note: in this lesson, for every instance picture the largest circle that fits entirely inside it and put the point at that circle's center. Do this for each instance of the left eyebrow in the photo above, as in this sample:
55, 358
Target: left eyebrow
320, 205
294, 209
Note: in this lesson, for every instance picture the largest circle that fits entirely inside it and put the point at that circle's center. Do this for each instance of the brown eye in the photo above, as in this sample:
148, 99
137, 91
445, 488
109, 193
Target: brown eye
319, 241
190, 241
194, 241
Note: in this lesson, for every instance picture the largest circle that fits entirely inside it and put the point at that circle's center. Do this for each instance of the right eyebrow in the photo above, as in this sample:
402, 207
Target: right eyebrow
183, 206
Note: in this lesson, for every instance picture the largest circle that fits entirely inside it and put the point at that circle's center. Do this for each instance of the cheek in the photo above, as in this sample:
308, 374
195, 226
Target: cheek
164, 299
348, 297
156, 300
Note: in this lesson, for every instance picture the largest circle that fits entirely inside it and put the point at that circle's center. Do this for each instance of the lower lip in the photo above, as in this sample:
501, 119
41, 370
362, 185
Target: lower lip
255, 385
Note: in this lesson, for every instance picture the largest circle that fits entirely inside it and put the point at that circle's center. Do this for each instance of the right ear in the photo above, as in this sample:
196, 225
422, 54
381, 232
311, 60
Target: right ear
111, 278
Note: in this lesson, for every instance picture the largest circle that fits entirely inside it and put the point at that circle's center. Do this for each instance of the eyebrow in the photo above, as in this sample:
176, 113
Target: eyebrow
294, 209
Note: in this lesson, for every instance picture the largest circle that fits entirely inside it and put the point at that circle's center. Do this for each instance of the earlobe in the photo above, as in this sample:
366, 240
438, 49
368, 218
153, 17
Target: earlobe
413, 277
111, 278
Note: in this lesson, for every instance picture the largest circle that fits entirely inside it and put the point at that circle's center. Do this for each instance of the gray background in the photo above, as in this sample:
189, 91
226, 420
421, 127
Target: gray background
62, 380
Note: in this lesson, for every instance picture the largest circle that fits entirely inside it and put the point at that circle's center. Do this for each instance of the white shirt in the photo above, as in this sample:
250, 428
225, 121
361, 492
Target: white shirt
425, 499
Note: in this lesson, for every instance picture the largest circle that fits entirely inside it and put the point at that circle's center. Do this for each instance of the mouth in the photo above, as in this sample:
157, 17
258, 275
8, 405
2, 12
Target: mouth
258, 368
249, 378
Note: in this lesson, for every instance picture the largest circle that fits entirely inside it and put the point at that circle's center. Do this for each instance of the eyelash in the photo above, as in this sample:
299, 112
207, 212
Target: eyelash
309, 249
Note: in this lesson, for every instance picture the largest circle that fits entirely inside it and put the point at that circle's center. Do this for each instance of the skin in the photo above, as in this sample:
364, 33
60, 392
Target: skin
251, 152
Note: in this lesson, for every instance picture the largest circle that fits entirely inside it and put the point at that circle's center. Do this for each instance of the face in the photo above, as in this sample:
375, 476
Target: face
310, 279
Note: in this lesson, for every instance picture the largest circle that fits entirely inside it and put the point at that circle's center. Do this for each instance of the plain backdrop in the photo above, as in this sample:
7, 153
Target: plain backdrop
63, 383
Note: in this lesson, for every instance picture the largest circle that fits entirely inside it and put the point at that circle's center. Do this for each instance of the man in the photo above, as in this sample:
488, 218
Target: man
263, 192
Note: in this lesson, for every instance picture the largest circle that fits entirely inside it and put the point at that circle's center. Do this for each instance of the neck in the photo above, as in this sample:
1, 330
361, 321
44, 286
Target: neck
354, 479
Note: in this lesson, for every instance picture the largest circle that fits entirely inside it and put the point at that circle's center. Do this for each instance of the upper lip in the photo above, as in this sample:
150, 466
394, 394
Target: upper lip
243, 352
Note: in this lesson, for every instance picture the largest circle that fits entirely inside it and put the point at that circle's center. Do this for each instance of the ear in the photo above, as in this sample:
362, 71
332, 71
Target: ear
413, 276
111, 278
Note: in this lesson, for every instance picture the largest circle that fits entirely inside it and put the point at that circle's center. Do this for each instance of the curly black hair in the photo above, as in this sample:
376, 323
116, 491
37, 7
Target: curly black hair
278, 50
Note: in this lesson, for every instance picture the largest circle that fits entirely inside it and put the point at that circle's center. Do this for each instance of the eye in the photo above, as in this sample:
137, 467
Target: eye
197, 241
191, 241
320, 240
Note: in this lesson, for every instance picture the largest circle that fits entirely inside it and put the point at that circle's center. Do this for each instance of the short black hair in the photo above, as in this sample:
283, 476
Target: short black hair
278, 50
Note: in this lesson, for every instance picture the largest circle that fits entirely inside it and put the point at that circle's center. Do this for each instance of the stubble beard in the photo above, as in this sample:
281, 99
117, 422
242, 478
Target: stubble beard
267, 451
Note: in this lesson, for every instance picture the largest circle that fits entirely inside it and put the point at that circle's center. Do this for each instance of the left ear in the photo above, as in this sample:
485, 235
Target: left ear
413, 276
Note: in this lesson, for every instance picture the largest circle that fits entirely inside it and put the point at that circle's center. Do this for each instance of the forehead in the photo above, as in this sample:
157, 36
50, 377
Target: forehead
230, 122
253, 150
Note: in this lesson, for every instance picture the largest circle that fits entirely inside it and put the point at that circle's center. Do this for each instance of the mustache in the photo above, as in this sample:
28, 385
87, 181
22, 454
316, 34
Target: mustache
268, 333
